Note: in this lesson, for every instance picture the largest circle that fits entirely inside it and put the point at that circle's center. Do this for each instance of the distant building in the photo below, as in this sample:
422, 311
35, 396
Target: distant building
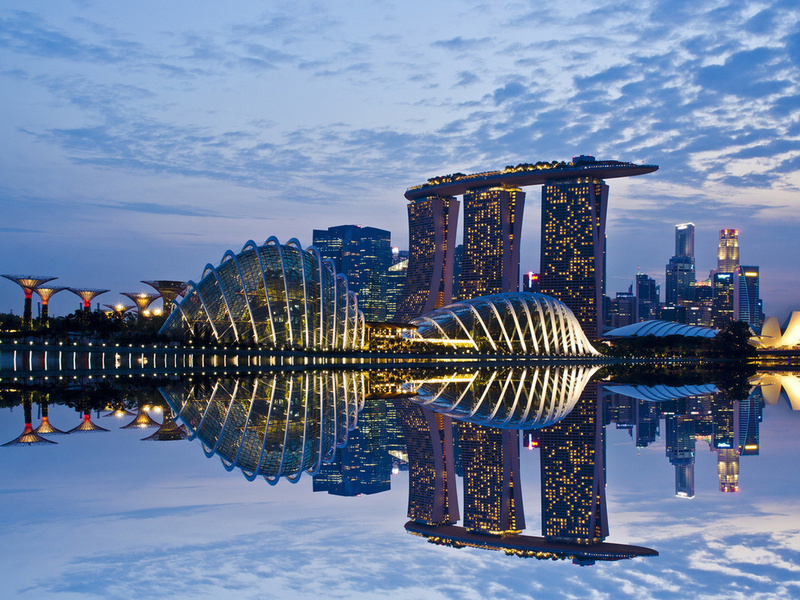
722, 305
728, 251
623, 309
684, 240
680, 281
363, 255
647, 298
395, 283
746, 302
492, 230
573, 245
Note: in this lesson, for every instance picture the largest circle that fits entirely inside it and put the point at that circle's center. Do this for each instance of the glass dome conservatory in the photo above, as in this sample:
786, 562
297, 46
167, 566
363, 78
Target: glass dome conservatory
512, 323
276, 295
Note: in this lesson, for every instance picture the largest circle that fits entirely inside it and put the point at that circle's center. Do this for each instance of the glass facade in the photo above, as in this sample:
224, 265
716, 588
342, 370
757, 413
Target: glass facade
274, 295
520, 323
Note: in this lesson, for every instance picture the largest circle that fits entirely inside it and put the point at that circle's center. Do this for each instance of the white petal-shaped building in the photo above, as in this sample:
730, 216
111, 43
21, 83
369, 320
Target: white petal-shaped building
276, 295
512, 323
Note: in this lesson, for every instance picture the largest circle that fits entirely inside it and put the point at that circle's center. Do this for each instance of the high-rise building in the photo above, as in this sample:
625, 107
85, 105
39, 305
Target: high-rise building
680, 281
722, 304
680, 446
573, 481
364, 465
573, 244
432, 223
728, 251
492, 486
492, 229
746, 303
623, 309
647, 298
363, 255
396, 281
684, 240
432, 496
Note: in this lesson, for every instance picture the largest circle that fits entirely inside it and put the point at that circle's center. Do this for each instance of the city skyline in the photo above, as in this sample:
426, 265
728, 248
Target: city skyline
133, 148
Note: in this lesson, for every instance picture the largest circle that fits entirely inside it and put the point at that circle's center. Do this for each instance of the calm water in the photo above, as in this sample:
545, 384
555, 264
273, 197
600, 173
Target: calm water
104, 514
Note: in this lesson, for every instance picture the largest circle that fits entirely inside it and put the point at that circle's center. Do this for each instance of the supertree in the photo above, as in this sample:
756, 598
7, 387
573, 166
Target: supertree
28, 283
168, 290
45, 293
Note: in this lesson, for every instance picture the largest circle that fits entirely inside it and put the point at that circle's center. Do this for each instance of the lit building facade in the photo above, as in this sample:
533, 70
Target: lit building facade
363, 255
647, 298
520, 323
492, 231
573, 245
432, 223
680, 281
746, 301
722, 304
273, 295
573, 475
492, 486
728, 251
684, 240
432, 495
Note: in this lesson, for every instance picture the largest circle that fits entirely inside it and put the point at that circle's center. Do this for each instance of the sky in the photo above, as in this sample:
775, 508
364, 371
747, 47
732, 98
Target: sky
167, 522
143, 140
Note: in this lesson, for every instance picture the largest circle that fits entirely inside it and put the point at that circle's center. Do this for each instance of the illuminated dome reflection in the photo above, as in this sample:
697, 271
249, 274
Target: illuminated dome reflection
509, 398
274, 426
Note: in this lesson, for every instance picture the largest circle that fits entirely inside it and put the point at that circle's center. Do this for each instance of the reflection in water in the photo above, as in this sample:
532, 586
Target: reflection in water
275, 426
508, 398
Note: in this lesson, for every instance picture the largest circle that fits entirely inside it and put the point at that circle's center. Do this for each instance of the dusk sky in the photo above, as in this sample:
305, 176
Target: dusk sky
142, 140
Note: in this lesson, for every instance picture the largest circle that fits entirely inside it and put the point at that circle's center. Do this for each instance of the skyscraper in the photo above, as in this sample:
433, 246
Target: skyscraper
363, 255
492, 486
728, 251
722, 304
573, 243
573, 480
432, 496
680, 281
684, 240
746, 303
647, 298
492, 229
432, 223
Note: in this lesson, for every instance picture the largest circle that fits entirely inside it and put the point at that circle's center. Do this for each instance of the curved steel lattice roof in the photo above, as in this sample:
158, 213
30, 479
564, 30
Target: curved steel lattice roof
526, 398
513, 323
276, 295
276, 426
661, 329
658, 393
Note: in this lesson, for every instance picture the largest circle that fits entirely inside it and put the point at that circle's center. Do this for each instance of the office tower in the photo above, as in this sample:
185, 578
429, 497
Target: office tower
748, 422
647, 298
680, 447
703, 303
530, 282
432, 223
684, 240
573, 240
573, 483
363, 255
492, 229
623, 309
680, 281
722, 304
395, 282
728, 251
728, 469
492, 486
647, 420
746, 303
432, 496
363, 466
